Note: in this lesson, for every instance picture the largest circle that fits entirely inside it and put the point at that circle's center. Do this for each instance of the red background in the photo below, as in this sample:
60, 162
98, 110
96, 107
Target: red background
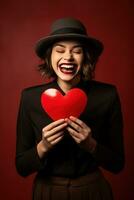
22, 23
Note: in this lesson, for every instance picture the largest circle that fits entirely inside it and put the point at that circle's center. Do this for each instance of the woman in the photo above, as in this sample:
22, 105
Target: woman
68, 153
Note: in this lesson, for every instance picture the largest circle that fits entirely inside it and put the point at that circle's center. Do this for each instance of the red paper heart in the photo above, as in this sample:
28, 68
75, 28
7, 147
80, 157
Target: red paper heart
58, 106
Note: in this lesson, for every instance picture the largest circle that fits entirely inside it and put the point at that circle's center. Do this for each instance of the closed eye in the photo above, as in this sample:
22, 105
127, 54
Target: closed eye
77, 49
59, 50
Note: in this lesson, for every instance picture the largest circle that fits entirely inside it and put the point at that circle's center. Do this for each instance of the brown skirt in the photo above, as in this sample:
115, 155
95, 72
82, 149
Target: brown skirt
92, 186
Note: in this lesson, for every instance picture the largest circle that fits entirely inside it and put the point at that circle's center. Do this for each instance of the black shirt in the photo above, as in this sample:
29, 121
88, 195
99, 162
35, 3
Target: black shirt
102, 114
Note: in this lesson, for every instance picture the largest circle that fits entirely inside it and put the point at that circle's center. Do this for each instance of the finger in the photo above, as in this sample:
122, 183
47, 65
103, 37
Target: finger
74, 125
75, 133
59, 128
54, 137
81, 123
55, 130
57, 140
74, 137
53, 124
78, 121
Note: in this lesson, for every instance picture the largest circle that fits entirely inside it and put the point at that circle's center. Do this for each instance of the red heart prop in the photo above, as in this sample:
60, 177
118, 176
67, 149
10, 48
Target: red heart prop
58, 106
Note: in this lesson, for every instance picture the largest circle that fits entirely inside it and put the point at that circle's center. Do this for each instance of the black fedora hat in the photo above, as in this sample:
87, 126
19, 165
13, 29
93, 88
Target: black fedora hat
68, 28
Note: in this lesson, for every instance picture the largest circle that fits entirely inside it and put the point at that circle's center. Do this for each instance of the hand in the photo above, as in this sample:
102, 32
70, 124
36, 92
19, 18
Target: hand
81, 133
53, 133
78, 129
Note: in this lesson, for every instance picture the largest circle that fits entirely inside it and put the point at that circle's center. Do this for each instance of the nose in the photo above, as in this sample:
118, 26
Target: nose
68, 55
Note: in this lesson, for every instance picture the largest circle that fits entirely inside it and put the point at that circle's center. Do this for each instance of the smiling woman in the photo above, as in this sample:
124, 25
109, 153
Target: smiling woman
67, 148
67, 58
77, 49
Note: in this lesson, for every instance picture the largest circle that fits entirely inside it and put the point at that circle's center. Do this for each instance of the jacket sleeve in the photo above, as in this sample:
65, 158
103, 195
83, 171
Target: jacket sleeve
27, 159
109, 153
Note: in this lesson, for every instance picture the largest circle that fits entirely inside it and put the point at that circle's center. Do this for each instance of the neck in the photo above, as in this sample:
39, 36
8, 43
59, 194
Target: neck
67, 85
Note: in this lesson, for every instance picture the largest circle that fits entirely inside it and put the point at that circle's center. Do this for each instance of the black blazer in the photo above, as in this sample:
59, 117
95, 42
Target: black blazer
102, 114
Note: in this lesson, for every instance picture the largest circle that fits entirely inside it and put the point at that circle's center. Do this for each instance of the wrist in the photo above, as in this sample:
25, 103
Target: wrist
41, 149
89, 144
92, 145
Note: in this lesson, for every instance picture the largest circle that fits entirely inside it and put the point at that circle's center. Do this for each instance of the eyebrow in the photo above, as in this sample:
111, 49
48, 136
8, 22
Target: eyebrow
62, 45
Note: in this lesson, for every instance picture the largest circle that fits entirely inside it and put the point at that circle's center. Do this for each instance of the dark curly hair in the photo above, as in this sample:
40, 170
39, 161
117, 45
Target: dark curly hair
88, 66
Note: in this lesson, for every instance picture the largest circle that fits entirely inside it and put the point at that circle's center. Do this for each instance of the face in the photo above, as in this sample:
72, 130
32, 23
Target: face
66, 60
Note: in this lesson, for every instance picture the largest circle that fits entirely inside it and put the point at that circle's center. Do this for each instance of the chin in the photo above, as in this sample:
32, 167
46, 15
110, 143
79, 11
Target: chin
67, 79
70, 79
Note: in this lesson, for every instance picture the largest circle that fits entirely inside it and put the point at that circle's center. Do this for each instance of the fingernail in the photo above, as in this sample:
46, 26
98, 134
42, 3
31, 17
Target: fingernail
72, 117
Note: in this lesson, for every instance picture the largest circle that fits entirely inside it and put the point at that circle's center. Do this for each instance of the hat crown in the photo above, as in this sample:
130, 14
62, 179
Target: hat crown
68, 25
68, 29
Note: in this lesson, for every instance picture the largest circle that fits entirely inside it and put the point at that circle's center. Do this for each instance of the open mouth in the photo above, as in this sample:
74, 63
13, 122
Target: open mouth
67, 68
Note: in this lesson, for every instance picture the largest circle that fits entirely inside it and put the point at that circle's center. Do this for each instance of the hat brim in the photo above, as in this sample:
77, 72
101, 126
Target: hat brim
94, 45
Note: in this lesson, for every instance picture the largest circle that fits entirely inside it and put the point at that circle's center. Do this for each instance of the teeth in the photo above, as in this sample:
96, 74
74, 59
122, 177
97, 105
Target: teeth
67, 66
